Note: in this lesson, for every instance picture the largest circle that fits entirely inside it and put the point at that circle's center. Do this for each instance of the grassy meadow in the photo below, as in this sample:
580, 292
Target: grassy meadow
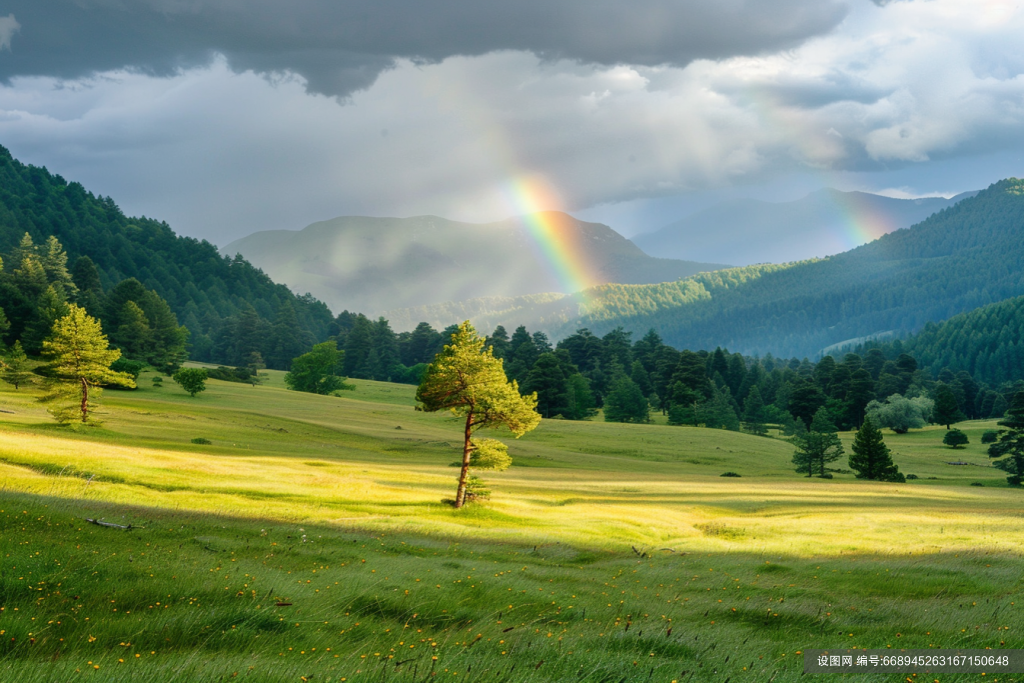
309, 541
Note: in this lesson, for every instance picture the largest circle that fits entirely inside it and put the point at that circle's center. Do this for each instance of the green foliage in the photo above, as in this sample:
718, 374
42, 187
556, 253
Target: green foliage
489, 454
202, 441
469, 381
192, 380
754, 413
871, 458
818, 446
1009, 449
626, 403
729, 474
946, 410
316, 372
954, 438
901, 414
79, 360
14, 368
133, 368
990, 436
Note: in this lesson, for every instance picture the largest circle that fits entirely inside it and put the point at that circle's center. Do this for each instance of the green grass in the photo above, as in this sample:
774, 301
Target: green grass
745, 572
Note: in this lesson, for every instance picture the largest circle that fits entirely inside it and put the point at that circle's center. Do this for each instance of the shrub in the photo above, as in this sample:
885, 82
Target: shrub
990, 436
131, 367
729, 474
827, 475
954, 438
912, 476
976, 483
201, 441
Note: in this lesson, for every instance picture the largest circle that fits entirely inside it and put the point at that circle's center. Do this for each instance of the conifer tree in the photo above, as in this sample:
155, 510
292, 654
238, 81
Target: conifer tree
871, 458
626, 403
578, 398
468, 380
548, 381
55, 264
79, 363
14, 367
946, 411
1010, 444
753, 412
818, 446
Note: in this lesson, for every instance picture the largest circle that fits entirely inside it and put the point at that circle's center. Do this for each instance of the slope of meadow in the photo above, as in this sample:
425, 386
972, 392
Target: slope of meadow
608, 552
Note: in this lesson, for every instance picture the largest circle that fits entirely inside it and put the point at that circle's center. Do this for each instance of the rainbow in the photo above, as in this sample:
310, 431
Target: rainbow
861, 223
555, 234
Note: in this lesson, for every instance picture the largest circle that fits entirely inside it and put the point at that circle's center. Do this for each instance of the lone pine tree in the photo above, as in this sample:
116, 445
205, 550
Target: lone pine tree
79, 363
468, 380
871, 458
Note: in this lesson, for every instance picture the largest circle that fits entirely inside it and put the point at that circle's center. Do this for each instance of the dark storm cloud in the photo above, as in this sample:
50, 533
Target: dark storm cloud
340, 46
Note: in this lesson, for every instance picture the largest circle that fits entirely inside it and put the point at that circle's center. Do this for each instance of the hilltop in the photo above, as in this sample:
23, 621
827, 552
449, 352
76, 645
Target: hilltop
823, 223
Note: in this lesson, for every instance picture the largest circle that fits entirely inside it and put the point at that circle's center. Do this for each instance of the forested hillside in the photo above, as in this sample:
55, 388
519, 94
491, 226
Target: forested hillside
963, 257
987, 342
226, 304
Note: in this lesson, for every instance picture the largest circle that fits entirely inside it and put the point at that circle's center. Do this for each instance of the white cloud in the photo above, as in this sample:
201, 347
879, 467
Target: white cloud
221, 154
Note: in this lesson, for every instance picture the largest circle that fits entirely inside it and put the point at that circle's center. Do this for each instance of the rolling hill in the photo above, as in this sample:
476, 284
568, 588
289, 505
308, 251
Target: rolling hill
822, 223
376, 264
206, 291
967, 255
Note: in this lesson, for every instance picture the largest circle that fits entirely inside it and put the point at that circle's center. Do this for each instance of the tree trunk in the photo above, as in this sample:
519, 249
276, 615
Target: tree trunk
467, 450
85, 400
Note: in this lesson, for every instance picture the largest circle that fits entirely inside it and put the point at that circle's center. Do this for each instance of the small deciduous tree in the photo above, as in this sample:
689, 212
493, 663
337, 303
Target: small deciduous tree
316, 372
466, 379
871, 458
1010, 446
954, 438
192, 380
79, 364
901, 414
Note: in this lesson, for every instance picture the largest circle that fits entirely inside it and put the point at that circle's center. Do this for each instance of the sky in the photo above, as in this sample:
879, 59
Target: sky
226, 117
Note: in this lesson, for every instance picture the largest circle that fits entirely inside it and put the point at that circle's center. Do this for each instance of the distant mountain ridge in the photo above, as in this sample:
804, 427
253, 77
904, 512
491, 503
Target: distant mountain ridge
967, 255
379, 264
823, 223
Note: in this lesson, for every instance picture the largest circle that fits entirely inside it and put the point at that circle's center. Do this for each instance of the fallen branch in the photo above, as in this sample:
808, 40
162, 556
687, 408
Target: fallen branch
110, 524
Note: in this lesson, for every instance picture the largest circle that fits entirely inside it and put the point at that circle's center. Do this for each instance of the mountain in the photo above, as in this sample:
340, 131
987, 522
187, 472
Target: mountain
967, 255
822, 223
206, 291
376, 264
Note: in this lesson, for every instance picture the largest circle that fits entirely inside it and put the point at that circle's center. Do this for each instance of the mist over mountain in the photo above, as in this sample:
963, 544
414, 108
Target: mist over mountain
377, 264
823, 223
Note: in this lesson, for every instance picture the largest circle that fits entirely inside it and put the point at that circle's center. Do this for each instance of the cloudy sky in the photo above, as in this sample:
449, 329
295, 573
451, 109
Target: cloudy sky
229, 116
